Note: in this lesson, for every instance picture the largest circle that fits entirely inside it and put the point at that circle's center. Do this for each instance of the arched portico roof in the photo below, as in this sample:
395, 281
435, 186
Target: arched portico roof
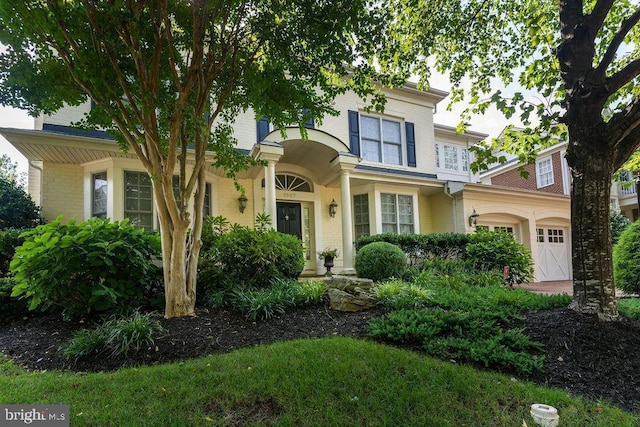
316, 153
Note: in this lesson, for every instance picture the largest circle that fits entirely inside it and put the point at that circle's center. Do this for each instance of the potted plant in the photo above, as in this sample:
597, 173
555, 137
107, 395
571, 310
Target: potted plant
328, 255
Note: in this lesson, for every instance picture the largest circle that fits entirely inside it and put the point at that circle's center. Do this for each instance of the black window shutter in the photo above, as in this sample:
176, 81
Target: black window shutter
411, 144
354, 133
263, 128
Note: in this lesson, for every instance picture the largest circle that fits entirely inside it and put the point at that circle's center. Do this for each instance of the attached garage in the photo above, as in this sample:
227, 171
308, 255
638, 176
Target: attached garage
554, 262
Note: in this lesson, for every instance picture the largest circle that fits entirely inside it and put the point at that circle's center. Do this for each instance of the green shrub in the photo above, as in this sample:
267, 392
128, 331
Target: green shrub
264, 303
17, 209
461, 336
421, 247
495, 250
379, 261
96, 265
115, 336
619, 223
11, 308
456, 274
310, 292
245, 258
629, 307
626, 259
9, 240
398, 294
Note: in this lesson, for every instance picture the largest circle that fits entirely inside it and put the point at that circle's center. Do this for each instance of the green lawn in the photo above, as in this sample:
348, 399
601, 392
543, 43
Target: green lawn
324, 382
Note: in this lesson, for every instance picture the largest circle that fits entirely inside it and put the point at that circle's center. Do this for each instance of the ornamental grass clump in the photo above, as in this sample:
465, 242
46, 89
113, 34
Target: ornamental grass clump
115, 336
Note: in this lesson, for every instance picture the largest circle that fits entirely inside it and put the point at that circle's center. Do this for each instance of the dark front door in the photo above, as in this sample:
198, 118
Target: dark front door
289, 220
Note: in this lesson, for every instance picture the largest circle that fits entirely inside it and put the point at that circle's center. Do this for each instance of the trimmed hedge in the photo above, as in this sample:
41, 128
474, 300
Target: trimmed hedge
421, 247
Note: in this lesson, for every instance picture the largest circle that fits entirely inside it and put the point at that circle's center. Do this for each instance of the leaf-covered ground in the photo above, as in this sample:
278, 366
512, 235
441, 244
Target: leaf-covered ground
584, 357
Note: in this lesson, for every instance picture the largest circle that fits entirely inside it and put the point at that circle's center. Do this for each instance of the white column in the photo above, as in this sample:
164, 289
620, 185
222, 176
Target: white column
270, 191
347, 226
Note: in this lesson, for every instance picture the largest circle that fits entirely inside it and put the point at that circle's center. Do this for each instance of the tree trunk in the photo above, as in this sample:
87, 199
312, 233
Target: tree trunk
181, 243
593, 286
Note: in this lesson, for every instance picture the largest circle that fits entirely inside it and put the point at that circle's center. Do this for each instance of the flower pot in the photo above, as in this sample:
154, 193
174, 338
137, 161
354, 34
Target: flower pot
328, 263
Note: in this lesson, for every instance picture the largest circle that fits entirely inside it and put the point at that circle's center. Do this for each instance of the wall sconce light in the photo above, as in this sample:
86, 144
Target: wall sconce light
242, 203
333, 208
473, 218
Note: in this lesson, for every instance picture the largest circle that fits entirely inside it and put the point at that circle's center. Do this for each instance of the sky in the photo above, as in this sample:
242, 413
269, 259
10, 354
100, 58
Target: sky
491, 123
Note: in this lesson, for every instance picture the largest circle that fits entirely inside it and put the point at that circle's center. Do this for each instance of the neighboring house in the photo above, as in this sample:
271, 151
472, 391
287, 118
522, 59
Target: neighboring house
624, 196
357, 173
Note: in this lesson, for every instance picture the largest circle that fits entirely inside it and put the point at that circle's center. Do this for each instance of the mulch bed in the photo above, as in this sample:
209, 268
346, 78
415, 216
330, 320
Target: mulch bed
582, 356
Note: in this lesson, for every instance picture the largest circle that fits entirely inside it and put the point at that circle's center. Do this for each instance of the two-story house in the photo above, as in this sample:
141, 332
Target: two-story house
357, 173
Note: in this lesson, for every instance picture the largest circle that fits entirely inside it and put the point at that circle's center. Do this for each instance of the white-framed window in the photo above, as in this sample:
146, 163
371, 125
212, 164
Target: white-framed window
555, 235
540, 235
381, 140
544, 172
207, 200
452, 158
361, 215
100, 188
138, 199
397, 213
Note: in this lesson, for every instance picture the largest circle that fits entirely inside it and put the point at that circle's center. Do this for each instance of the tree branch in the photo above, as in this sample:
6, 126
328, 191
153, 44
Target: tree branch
624, 76
625, 129
597, 16
617, 40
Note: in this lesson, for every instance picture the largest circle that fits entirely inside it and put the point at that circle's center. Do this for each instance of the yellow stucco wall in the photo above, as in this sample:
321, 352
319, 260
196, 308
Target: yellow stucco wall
62, 191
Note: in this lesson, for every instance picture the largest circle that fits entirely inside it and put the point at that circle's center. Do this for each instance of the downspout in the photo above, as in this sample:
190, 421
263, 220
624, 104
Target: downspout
448, 194
40, 189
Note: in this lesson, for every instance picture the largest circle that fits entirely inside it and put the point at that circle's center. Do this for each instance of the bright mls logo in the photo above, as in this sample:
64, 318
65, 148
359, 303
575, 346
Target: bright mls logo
38, 415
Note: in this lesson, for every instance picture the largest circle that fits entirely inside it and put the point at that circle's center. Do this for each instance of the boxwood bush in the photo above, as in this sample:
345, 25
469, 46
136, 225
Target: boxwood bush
249, 258
626, 259
96, 265
380, 261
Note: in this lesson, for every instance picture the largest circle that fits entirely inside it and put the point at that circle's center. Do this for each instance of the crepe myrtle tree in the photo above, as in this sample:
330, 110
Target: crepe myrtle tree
568, 70
168, 77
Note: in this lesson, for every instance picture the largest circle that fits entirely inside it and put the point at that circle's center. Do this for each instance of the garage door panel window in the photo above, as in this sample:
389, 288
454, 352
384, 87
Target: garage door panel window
555, 235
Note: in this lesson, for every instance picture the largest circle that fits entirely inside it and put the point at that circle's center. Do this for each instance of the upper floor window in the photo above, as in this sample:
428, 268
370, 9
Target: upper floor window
397, 213
99, 195
381, 140
544, 175
452, 158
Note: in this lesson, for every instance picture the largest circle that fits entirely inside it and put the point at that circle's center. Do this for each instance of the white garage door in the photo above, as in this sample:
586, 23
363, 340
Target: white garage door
553, 254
